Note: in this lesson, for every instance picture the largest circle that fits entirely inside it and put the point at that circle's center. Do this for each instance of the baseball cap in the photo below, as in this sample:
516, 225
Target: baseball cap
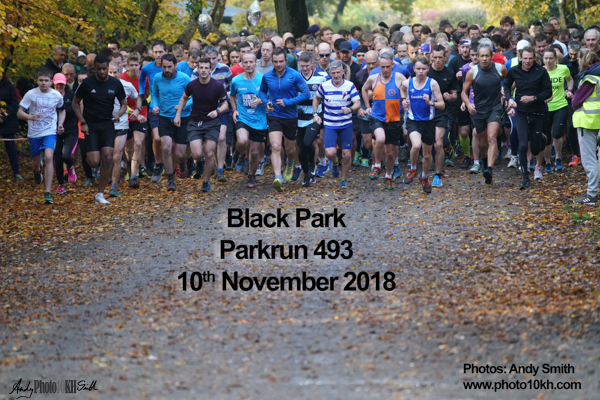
59, 78
464, 41
354, 43
425, 48
244, 32
345, 46
80, 54
522, 44
313, 29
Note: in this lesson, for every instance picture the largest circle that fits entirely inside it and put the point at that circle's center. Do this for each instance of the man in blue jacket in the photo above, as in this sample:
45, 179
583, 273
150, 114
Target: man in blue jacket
167, 89
281, 90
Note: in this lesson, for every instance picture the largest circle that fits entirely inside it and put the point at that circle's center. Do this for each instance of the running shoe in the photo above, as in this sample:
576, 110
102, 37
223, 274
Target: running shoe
99, 199
364, 162
239, 165
261, 168
96, 172
251, 181
297, 172
388, 184
531, 164
88, 182
426, 185
403, 153
410, 176
504, 153
514, 162
475, 169
397, 172
432, 167
375, 173
559, 165
356, 159
448, 163
144, 172
525, 184
553, 152
183, 170
62, 189
487, 175
307, 180
437, 181
537, 175
113, 193
335, 172
289, 172
575, 161
587, 199
171, 186
72, 175
205, 186
19, 178
343, 184
133, 182
465, 162
278, 185
221, 175
548, 168
322, 170
157, 173
48, 198
38, 178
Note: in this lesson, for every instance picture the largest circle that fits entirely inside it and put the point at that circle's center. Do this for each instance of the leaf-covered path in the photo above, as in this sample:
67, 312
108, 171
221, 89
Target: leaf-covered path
484, 276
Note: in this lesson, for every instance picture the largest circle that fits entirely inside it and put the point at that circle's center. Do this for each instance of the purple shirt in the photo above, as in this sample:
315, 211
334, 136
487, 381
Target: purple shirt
465, 69
206, 98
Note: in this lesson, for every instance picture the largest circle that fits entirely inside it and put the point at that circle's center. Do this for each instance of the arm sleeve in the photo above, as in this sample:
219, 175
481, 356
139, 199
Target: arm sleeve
60, 104
155, 98
546, 92
120, 93
354, 94
508, 82
142, 81
303, 92
264, 90
233, 89
579, 97
26, 101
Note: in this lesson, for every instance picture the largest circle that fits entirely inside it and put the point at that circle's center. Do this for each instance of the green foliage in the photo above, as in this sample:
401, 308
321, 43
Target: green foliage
589, 218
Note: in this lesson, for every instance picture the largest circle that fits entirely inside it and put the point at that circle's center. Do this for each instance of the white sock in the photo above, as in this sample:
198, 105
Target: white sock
413, 167
323, 161
396, 162
377, 165
423, 175
476, 162
388, 176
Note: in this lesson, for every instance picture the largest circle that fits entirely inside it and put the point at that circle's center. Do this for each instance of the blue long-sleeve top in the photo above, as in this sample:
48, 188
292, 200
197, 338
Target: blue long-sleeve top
291, 88
148, 71
166, 94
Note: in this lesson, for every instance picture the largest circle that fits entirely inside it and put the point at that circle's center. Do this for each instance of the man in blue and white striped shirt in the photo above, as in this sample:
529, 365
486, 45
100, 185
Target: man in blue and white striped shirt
340, 100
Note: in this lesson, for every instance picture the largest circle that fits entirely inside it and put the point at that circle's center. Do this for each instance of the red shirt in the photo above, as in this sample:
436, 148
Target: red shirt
236, 70
499, 58
131, 103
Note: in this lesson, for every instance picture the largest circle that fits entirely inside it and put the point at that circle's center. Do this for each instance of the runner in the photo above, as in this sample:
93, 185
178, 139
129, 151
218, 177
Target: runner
38, 107
167, 90
285, 88
486, 110
138, 117
98, 93
446, 79
148, 71
340, 99
308, 130
121, 127
421, 97
188, 67
385, 115
67, 141
557, 107
532, 89
250, 115
209, 100
372, 62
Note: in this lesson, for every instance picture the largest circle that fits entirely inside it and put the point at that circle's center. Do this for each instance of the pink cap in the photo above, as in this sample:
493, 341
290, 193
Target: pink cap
59, 78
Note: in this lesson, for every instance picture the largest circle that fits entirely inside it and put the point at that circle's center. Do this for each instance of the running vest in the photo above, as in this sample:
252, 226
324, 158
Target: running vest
418, 110
588, 116
487, 88
387, 106
305, 110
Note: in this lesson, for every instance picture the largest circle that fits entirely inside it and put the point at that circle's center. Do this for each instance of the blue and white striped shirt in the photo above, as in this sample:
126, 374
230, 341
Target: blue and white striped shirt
336, 97
305, 110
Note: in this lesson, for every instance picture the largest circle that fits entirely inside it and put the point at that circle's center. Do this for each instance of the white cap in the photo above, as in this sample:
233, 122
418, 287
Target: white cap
522, 44
80, 54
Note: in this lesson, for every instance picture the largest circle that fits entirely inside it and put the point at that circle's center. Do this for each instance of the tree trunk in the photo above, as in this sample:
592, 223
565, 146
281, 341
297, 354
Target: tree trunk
148, 15
340, 10
98, 32
562, 10
191, 28
291, 16
217, 13
576, 6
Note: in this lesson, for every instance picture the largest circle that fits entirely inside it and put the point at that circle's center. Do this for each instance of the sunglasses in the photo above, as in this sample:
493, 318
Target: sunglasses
324, 55
516, 34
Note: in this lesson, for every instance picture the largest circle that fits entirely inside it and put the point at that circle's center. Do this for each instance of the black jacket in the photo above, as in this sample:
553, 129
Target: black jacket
51, 65
8, 112
535, 82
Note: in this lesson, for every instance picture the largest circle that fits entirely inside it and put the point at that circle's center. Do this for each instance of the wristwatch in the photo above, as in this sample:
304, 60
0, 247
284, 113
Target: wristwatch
83, 123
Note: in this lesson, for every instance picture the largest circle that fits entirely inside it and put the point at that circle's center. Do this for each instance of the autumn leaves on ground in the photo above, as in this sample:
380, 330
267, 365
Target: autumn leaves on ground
492, 264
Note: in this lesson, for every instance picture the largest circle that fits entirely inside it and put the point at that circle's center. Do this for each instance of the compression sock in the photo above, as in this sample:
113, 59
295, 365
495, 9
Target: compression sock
464, 143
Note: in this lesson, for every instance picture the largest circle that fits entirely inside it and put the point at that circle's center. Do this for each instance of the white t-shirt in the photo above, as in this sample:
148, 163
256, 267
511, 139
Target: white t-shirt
131, 93
37, 102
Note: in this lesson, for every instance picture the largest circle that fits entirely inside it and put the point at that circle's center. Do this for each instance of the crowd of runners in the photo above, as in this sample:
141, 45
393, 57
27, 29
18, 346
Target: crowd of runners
377, 101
